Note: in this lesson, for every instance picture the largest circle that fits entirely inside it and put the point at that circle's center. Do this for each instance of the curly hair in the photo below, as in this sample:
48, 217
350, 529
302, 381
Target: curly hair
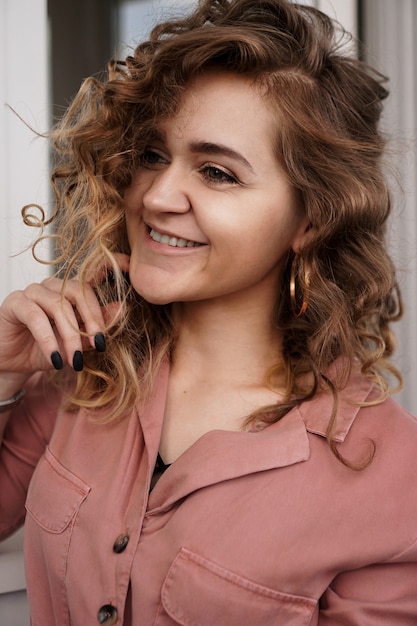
327, 106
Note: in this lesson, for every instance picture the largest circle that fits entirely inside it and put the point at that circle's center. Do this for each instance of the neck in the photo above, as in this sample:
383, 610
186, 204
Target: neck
217, 341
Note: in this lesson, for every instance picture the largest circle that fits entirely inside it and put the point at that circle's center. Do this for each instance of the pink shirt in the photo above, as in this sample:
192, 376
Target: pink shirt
244, 529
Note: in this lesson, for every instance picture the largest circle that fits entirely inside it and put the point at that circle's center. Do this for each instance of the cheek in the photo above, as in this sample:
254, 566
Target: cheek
130, 227
274, 238
133, 196
133, 211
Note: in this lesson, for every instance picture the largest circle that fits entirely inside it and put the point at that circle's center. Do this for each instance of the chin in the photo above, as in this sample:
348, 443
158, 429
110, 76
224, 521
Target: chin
157, 301
152, 296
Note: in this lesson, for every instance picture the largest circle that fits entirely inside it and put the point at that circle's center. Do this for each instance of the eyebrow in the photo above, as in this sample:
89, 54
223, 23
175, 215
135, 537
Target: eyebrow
206, 147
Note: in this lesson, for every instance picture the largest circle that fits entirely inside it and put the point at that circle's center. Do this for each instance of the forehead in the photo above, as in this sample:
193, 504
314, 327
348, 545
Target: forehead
226, 102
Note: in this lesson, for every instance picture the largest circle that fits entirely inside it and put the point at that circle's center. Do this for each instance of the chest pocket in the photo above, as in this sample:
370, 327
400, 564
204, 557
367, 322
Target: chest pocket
54, 498
197, 592
55, 494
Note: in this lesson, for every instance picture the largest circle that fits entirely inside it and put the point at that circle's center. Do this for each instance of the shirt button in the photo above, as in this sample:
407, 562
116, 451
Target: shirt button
107, 615
120, 543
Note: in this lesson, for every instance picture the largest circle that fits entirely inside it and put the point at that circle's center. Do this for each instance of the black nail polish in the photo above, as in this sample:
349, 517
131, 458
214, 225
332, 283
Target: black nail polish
100, 342
77, 361
56, 360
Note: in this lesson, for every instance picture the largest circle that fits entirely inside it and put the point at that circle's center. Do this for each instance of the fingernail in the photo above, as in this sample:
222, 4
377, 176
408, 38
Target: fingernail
100, 342
56, 360
77, 361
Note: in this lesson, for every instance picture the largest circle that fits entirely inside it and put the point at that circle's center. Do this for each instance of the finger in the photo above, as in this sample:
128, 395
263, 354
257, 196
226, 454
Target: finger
59, 312
96, 275
123, 261
21, 316
86, 308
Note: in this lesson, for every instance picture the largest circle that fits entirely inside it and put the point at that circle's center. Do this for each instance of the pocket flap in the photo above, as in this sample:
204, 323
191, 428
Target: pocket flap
55, 494
198, 591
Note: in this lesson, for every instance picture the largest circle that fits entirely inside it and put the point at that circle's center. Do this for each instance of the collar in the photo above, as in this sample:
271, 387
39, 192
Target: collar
220, 456
317, 411
224, 455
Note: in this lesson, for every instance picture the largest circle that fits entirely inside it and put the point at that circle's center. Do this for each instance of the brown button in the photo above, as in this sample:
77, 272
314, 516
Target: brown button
107, 615
120, 543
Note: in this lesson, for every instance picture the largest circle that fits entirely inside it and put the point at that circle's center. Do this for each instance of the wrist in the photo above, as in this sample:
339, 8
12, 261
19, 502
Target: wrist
8, 404
11, 384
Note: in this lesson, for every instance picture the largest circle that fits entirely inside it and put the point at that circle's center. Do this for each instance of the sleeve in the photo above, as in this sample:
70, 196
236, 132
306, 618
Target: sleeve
379, 595
26, 435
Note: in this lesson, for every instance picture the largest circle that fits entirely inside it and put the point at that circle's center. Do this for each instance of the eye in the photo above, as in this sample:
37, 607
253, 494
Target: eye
151, 158
215, 175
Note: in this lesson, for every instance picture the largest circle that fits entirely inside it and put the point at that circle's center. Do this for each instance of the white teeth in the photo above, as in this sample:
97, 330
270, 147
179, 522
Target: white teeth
172, 241
155, 236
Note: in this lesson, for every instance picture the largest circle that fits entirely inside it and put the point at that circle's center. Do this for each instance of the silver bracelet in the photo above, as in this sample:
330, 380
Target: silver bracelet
6, 405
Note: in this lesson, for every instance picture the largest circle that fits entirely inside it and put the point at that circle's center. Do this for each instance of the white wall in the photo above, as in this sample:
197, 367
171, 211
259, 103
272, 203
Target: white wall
14, 609
345, 11
23, 160
23, 179
391, 36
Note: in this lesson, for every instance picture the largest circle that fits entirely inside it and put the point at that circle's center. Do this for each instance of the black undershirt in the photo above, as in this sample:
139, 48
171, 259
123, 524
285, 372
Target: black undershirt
160, 468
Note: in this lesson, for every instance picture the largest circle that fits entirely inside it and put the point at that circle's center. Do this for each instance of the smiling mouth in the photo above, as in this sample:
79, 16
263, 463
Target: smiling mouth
175, 242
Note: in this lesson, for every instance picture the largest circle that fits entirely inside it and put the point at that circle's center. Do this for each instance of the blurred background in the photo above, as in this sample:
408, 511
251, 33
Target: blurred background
47, 47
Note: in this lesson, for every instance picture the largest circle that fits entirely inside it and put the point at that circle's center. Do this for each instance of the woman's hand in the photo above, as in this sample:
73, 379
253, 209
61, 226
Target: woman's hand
42, 328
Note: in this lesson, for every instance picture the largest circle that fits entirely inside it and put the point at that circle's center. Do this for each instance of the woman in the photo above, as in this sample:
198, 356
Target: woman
220, 447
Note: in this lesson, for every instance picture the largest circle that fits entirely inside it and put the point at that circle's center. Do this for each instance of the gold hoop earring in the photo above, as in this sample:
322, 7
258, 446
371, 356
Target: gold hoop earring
296, 266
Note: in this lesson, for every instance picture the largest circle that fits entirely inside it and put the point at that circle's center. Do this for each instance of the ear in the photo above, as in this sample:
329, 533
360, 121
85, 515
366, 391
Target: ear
302, 235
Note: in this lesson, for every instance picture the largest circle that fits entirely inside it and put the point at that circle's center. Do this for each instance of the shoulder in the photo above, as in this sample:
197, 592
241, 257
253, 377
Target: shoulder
390, 479
358, 412
379, 441
39, 407
393, 431
387, 417
365, 427
376, 503
43, 393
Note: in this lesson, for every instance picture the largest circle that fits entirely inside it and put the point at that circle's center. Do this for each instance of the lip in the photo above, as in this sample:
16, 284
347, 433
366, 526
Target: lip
168, 240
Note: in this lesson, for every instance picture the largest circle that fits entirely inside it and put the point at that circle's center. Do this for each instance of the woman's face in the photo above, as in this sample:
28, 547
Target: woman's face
210, 213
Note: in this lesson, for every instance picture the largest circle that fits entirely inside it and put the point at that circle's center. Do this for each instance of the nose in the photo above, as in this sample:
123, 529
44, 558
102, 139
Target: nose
167, 191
